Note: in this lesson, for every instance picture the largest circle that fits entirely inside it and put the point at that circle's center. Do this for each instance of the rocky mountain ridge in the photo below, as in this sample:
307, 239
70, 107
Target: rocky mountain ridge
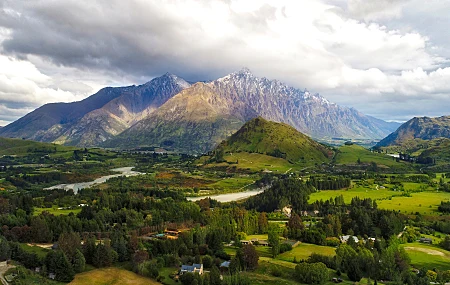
200, 117
170, 112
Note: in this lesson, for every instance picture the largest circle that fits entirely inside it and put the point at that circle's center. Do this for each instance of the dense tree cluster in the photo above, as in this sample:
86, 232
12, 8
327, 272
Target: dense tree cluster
329, 182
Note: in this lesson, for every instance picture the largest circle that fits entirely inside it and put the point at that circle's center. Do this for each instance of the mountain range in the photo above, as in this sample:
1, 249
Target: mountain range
168, 111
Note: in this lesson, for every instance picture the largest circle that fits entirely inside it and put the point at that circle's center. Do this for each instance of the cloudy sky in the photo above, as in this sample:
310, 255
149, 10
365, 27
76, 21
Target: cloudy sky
386, 58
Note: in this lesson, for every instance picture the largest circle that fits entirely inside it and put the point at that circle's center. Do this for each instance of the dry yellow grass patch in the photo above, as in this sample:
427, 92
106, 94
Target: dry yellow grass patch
111, 276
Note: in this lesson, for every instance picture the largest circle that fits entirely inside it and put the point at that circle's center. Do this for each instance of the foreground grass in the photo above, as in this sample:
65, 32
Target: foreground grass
111, 276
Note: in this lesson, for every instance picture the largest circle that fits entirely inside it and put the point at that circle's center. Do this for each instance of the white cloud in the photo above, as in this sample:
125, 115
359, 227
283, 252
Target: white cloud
347, 50
376, 10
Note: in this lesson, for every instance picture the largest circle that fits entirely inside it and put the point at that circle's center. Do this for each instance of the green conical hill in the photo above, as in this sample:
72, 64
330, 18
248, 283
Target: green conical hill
276, 139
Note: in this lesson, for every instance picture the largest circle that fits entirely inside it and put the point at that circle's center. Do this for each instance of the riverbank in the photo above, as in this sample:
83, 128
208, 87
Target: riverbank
124, 171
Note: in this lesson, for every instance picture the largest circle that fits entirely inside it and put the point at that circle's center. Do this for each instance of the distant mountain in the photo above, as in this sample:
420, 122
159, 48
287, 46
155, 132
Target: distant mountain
423, 128
170, 112
275, 139
98, 117
200, 117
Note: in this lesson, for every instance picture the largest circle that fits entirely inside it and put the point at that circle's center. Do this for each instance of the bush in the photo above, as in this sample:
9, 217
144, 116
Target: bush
311, 273
285, 247
325, 259
275, 271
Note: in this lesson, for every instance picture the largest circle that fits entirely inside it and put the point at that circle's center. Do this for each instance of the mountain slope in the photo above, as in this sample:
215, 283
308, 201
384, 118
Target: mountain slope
424, 128
98, 117
42, 124
275, 139
120, 113
194, 120
200, 117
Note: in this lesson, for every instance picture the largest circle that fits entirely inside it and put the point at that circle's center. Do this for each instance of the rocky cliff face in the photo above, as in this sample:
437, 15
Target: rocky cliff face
203, 115
424, 128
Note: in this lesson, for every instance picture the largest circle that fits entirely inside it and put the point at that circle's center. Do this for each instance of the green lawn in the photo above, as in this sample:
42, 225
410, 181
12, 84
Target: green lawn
55, 211
427, 256
166, 271
41, 252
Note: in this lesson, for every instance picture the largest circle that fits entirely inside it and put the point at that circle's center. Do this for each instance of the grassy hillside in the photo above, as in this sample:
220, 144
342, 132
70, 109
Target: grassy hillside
419, 128
22, 147
349, 154
111, 276
278, 140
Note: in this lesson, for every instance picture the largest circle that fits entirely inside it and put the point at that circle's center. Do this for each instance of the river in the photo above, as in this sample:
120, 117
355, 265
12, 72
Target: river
124, 171
230, 197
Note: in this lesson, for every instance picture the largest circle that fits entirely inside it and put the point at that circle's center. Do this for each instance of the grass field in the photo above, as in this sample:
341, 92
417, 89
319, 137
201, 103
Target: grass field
427, 256
425, 203
349, 154
257, 162
361, 192
304, 250
55, 211
232, 183
111, 276
41, 252
166, 271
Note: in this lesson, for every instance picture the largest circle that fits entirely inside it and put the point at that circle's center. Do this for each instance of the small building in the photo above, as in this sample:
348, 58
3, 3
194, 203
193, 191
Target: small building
263, 243
194, 268
246, 242
344, 239
426, 240
52, 276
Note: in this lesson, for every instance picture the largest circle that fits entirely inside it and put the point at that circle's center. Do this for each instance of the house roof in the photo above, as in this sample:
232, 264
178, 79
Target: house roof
192, 268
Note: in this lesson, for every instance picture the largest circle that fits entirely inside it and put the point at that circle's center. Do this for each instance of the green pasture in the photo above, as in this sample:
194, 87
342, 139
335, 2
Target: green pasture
349, 154
256, 162
427, 256
304, 250
361, 192
425, 203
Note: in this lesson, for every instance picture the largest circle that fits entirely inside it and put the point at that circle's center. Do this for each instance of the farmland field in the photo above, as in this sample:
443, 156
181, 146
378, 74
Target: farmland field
361, 192
304, 250
350, 154
425, 203
111, 276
